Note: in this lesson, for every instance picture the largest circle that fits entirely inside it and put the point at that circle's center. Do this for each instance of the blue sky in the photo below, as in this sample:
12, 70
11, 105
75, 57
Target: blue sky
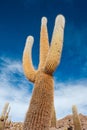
20, 18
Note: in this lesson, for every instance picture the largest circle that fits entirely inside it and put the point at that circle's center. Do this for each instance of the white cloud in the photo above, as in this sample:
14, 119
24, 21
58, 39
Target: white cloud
69, 94
16, 90
18, 100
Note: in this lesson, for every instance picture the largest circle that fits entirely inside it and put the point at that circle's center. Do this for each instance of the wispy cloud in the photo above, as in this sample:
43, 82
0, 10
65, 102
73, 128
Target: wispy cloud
15, 89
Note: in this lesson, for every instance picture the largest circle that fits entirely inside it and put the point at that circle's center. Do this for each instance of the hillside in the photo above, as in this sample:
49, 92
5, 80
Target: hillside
62, 124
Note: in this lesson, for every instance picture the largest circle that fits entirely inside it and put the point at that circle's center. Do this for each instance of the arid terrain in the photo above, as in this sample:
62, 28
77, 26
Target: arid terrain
62, 124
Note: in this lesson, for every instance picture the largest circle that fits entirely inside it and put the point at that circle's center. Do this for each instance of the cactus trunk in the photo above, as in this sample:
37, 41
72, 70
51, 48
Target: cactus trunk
40, 110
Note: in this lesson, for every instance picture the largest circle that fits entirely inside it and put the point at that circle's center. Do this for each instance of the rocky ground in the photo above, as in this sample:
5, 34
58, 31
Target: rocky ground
62, 124
67, 122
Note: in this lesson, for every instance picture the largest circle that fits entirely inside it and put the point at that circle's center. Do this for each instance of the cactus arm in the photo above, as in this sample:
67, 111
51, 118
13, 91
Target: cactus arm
7, 113
54, 54
29, 70
44, 42
5, 109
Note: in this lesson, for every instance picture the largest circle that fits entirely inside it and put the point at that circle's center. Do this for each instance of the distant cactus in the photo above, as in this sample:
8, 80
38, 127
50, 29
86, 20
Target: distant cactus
40, 111
76, 120
4, 117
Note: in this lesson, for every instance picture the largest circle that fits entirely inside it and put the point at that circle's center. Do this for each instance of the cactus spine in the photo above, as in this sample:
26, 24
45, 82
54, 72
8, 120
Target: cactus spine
40, 111
76, 120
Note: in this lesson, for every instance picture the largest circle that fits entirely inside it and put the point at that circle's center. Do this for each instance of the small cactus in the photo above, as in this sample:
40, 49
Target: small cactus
4, 117
76, 120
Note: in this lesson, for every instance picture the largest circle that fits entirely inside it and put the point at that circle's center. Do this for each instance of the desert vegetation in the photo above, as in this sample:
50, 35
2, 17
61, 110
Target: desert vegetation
41, 114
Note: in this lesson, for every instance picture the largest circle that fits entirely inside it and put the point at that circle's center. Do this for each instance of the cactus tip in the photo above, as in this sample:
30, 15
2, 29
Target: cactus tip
30, 39
60, 20
44, 21
29, 42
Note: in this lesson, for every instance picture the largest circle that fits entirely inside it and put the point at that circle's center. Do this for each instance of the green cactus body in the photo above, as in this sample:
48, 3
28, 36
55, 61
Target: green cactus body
39, 114
76, 120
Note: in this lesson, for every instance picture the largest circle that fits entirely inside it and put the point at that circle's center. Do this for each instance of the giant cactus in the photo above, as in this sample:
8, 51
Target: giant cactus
76, 120
39, 114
